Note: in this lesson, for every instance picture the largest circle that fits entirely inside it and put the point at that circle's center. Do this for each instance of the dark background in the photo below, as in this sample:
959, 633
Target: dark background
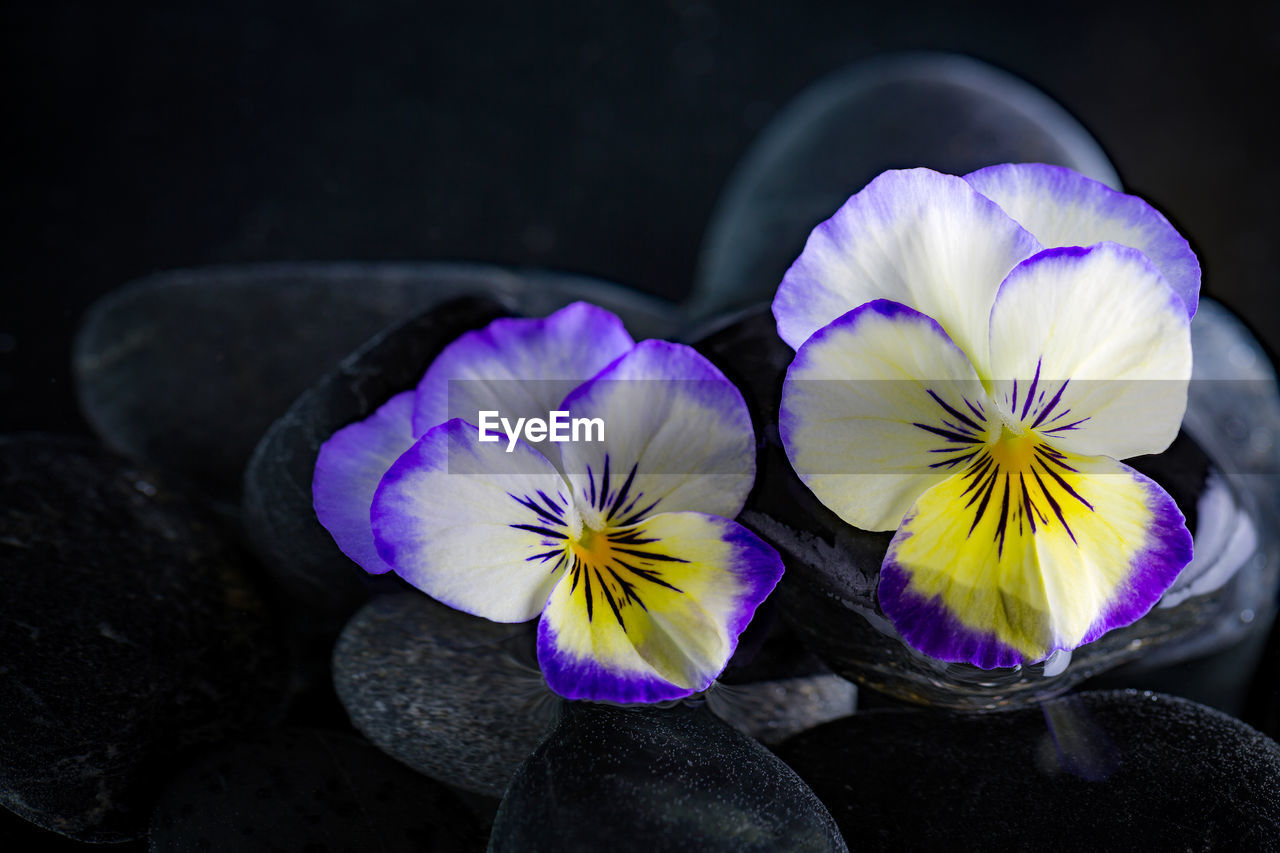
587, 137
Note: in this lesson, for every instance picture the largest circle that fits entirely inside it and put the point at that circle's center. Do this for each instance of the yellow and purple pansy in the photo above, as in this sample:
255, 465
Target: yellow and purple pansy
973, 356
625, 546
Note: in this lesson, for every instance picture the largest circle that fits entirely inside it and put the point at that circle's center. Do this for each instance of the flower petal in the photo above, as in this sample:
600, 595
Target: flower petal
1010, 560
1062, 207
654, 612
917, 237
520, 367
475, 527
677, 436
1093, 349
348, 468
877, 407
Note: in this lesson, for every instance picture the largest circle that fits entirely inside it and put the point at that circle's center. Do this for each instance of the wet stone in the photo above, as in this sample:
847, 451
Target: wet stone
645, 779
774, 687
772, 711
308, 790
130, 629
1116, 770
186, 369
453, 696
949, 113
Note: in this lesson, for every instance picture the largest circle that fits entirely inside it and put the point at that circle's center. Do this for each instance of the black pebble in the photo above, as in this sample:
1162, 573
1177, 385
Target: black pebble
1119, 771
452, 695
186, 369
656, 779
130, 629
303, 790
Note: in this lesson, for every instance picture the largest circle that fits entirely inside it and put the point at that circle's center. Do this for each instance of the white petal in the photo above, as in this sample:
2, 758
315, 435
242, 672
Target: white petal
1064, 208
926, 240
520, 367
877, 407
677, 436
1099, 347
475, 527
348, 469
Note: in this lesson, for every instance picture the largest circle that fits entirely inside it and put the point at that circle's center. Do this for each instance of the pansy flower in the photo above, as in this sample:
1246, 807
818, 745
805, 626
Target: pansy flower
626, 545
960, 383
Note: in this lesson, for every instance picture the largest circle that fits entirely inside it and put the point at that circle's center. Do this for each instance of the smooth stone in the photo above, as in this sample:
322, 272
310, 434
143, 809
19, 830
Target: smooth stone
950, 113
622, 779
452, 695
186, 369
308, 790
320, 585
1118, 770
129, 629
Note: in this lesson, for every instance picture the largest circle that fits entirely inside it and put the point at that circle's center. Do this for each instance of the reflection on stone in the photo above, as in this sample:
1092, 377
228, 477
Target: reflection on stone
772, 711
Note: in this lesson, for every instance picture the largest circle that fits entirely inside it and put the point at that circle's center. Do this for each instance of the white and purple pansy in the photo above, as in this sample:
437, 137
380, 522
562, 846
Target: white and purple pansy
625, 546
973, 356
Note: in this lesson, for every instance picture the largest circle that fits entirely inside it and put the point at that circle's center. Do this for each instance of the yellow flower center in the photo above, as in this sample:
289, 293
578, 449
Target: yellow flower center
1014, 448
592, 546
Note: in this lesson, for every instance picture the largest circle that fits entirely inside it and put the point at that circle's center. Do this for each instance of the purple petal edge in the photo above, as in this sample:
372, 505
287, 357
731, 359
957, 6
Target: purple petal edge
508, 336
931, 628
1154, 569
1168, 249
349, 466
886, 308
758, 565
584, 678
1066, 254
928, 626
686, 364
876, 203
